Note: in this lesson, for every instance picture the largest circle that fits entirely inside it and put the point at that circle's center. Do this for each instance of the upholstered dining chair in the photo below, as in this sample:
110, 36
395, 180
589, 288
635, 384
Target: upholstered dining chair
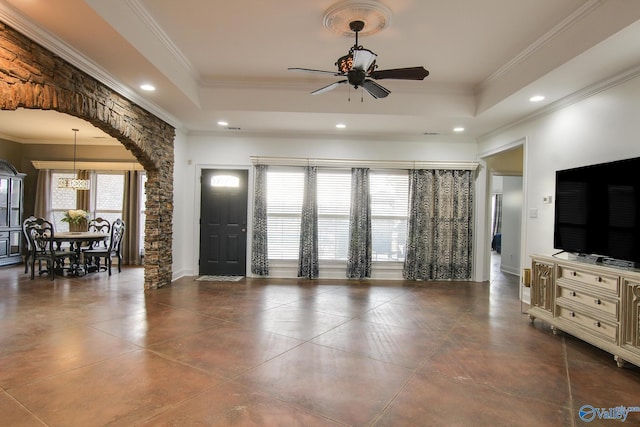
113, 249
40, 235
27, 257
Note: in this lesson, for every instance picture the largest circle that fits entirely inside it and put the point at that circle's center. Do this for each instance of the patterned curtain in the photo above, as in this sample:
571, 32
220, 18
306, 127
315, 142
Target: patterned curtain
359, 260
259, 248
440, 226
497, 215
308, 258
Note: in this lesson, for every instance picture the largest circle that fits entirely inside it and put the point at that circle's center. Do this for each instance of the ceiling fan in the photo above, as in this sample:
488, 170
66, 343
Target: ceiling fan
359, 68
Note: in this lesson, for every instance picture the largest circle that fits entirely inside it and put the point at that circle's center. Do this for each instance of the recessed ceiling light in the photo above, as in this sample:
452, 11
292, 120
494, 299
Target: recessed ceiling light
536, 98
223, 123
341, 126
458, 129
148, 87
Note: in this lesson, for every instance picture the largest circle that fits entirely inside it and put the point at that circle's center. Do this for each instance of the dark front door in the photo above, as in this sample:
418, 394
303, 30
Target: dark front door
223, 222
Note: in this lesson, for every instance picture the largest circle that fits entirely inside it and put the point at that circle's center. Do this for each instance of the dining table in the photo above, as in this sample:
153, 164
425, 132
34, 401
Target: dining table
76, 239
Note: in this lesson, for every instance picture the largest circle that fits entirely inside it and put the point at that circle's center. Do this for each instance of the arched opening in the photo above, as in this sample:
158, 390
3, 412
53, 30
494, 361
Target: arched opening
34, 78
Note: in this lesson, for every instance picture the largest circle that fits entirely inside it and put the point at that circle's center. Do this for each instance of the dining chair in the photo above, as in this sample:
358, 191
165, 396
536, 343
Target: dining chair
41, 238
96, 225
27, 257
99, 225
113, 249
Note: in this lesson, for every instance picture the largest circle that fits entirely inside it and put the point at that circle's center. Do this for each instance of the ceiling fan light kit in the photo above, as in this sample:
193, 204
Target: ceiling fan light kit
359, 65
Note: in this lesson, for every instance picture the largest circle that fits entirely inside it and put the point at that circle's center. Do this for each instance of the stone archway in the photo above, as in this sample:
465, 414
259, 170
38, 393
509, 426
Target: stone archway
33, 77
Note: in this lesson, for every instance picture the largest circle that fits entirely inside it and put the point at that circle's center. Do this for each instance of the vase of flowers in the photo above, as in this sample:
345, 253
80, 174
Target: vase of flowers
78, 219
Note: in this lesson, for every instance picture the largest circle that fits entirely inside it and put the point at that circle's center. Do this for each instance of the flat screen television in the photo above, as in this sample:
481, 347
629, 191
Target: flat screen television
597, 210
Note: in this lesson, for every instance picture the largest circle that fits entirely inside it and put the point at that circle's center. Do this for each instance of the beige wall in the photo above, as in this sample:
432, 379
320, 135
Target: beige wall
21, 155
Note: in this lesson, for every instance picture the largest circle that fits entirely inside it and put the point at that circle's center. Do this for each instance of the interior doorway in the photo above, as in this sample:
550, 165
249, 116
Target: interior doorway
506, 201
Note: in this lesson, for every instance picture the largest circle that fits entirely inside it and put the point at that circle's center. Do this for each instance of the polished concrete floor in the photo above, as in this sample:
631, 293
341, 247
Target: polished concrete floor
98, 350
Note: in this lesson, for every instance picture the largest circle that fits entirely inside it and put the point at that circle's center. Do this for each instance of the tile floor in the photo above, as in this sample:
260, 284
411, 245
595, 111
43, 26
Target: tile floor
98, 351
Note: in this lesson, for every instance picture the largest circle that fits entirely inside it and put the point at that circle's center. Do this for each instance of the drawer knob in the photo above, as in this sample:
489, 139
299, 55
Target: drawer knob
598, 279
596, 324
572, 293
573, 273
597, 301
572, 314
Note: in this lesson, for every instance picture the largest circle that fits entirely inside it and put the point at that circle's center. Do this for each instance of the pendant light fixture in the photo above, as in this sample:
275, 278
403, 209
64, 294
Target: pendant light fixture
74, 183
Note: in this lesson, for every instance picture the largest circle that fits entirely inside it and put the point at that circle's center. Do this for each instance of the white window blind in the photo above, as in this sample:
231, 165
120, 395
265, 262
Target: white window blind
334, 204
389, 206
284, 205
389, 211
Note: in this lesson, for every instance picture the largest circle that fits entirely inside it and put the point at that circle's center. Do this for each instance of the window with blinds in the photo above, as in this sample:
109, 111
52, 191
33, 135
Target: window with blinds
107, 189
285, 188
334, 204
108, 195
389, 208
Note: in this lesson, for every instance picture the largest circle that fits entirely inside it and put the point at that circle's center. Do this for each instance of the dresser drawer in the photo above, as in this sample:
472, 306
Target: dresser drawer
599, 327
608, 307
604, 282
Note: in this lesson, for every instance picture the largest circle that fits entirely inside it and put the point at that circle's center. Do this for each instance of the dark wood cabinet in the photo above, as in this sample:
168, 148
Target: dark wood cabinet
11, 197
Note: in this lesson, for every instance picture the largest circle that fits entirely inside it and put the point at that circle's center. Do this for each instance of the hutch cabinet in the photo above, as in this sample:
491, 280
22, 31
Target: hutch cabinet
11, 196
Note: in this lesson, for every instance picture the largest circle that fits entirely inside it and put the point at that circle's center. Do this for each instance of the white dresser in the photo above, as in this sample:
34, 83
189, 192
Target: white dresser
596, 303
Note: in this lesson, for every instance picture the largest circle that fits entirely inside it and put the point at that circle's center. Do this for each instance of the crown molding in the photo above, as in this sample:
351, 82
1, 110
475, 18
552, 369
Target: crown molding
54, 44
573, 98
141, 12
566, 23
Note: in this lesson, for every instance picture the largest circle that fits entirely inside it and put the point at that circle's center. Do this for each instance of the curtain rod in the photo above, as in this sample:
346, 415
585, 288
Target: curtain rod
373, 164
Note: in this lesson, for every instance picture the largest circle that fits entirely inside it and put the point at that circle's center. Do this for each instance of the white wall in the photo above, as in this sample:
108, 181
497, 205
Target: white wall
182, 199
603, 127
233, 150
511, 222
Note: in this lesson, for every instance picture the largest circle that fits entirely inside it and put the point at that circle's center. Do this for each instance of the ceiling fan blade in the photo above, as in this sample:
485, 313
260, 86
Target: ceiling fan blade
362, 59
411, 73
328, 88
375, 89
309, 70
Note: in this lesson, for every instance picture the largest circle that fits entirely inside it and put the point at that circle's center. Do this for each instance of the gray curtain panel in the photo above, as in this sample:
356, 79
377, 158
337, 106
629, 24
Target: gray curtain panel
497, 215
359, 258
308, 256
440, 226
259, 248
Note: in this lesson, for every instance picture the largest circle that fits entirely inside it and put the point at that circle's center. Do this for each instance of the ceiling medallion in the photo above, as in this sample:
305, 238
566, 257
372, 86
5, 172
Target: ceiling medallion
375, 16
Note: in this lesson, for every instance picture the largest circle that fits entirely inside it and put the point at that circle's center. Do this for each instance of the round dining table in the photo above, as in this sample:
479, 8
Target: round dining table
75, 240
